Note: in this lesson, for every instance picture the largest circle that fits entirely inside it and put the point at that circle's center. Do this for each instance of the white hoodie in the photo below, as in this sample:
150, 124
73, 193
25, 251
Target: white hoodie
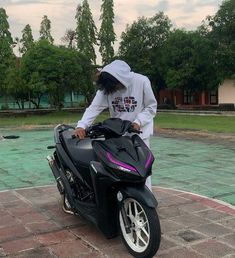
135, 103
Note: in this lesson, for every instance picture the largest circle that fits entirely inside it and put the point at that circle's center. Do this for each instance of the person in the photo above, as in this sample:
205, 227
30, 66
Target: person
127, 95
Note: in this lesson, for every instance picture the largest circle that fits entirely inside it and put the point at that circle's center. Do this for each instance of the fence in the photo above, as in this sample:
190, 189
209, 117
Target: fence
70, 100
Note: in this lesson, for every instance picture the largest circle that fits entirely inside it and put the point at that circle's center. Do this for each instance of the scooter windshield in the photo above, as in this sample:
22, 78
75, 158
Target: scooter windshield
117, 125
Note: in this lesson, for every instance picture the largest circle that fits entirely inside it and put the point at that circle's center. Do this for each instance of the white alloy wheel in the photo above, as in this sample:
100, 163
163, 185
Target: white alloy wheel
139, 237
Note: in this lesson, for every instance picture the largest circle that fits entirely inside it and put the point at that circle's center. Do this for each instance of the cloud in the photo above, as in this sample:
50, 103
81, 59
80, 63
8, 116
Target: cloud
21, 2
214, 3
163, 5
182, 13
195, 5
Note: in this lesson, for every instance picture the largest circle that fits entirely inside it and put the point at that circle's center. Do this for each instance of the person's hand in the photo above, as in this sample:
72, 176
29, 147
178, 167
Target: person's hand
80, 133
136, 126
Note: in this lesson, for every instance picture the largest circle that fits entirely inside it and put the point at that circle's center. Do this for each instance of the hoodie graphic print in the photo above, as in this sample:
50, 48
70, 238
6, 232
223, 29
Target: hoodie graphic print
136, 102
126, 104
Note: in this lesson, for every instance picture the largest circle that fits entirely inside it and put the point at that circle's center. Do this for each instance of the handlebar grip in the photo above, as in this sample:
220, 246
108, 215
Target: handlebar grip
73, 136
132, 130
137, 131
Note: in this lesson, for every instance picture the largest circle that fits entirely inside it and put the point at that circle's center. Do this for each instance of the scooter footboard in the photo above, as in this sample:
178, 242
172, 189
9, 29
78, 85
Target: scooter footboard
142, 194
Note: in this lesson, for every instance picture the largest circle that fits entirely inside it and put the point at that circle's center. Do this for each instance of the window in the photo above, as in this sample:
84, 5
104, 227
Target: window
213, 97
188, 97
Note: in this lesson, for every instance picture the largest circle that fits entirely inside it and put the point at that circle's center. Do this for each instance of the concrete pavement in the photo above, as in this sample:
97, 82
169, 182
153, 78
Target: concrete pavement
32, 224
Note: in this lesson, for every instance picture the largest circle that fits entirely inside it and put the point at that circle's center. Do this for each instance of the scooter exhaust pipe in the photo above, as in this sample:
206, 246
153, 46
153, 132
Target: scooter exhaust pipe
56, 173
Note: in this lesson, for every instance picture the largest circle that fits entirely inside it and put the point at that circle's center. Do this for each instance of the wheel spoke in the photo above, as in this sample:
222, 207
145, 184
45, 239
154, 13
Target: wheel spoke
144, 223
131, 235
145, 232
140, 212
137, 241
136, 210
141, 238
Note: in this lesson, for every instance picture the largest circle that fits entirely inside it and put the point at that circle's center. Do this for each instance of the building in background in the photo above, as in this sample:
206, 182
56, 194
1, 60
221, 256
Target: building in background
185, 99
71, 100
226, 92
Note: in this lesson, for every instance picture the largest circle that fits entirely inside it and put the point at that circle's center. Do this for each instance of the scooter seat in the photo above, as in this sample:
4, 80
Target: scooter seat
80, 151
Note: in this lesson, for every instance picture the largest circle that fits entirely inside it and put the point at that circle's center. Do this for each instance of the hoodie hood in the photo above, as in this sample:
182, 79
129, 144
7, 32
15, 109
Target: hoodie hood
121, 71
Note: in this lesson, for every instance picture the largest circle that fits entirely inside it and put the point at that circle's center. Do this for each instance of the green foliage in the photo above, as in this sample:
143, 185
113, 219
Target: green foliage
27, 39
86, 31
16, 86
56, 70
188, 62
191, 60
222, 26
140, 44
6, 53
107, 35
45, 30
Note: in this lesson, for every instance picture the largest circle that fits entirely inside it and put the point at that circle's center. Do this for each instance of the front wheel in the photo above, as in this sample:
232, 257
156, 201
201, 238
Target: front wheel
143, 238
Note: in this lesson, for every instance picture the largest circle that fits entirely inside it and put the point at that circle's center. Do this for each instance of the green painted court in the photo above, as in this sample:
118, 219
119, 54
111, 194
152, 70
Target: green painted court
203, 168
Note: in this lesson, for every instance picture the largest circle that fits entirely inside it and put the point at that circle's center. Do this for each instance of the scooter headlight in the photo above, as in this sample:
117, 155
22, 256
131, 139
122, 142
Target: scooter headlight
124, 169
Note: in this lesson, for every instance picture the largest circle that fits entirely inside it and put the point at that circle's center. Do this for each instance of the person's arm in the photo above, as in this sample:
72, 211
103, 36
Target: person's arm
150, 106
99, 103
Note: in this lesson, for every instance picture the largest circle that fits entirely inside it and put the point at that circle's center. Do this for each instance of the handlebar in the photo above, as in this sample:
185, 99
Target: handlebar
97, 130
132, 130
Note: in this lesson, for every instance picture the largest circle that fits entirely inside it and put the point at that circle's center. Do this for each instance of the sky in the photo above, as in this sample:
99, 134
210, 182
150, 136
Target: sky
186, 14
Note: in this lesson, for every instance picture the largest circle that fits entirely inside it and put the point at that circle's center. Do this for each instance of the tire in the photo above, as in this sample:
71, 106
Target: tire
144, 239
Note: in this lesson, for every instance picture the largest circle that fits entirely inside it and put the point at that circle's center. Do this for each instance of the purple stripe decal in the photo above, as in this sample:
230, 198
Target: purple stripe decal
148, 161
110, 158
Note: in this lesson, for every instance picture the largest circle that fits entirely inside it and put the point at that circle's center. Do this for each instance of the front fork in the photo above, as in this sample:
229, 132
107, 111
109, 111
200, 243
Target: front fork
126, 221
142, 194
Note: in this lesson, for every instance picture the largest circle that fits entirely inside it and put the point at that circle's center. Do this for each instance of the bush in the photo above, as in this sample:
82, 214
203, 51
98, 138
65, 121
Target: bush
165, 106
4, 107
227, 107
82, 104
206, 108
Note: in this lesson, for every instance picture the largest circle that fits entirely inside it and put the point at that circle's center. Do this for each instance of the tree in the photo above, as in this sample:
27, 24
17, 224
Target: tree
45, 30
141, 42
222, 27
6, 53
27, 39
55, 70
86, 31
106, 34
70, 38
16, 86
188, 62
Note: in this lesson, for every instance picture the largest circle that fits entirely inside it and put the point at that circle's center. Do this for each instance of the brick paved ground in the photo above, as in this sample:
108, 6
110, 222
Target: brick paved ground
32, 224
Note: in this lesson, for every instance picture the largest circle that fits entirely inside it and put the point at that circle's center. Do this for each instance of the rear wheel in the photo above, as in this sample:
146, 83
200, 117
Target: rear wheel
144, 237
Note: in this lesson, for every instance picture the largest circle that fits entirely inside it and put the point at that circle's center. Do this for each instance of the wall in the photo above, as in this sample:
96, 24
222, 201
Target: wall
227, 92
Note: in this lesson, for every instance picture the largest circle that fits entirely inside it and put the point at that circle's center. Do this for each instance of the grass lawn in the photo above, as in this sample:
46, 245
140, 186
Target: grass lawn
224, 124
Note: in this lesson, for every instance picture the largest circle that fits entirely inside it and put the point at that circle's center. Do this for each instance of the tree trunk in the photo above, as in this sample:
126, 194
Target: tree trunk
29, 100
18, 103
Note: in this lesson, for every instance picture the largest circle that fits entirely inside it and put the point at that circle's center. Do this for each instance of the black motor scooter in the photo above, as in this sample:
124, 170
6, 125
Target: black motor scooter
102, 178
